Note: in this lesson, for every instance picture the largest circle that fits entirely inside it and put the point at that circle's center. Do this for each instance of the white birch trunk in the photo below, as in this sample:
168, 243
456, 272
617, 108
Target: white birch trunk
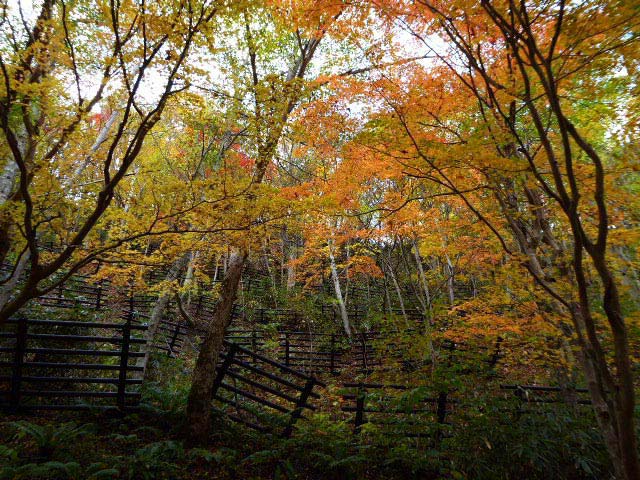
102, 136
10, 285
336, 285
188, 276
158, 311
423, 281
428, 313
450, 273
8, 180
398, 293
272, 276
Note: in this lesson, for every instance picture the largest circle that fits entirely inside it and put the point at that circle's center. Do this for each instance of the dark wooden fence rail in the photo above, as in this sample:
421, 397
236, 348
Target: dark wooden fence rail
383, 405
312, 352
355, 313
76, 293
257, 391
365, 353
50, 364
317, 353
542, 394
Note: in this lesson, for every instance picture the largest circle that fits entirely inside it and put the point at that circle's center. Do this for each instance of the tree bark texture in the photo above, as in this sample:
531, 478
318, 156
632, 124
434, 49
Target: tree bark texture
204, 373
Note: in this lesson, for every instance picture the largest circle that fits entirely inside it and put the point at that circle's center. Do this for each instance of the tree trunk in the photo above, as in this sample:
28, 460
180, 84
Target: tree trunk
7, 180
336, 286
291, 272
398, 293
102, 137
158, 311
217, 267
272, 275
424, 283
387, 297
291, 252
10, 285
188, 276
428, 311
450, 273
199, 403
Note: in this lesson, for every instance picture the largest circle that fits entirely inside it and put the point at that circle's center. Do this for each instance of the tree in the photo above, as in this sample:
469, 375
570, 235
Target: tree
273, 98
548, 170
51, 86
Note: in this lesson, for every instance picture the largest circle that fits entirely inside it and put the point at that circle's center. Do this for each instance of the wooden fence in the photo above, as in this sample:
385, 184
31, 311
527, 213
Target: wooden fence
397, 409
535, 396
321, 353
312, 352
261, 393
308, 352
53, 364
77, 292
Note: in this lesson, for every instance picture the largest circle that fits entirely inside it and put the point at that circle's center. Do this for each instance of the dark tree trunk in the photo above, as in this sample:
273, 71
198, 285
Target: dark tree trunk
199, 403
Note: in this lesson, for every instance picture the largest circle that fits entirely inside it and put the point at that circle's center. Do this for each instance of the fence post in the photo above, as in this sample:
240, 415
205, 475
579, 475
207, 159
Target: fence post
99, 295
286, 348
441, 414
228, 359
124, 356
254, 340
520, 394
174, 338
493, 360
360, 399
199, 305
60, 294
18, 363
442, 407
333, 353
300, 404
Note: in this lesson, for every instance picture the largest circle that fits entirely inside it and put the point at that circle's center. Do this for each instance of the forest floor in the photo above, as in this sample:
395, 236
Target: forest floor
558, 443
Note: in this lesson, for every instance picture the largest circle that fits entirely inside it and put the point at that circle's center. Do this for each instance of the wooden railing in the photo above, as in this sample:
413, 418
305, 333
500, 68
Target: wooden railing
397, 409
50, 364
261, 393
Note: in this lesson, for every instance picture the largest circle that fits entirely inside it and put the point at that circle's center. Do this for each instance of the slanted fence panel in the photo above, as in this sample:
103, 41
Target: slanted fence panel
261, 393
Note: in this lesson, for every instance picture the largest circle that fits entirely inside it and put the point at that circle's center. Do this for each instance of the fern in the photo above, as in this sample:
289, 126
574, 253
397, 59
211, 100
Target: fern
51, 438
101, 471
156, 460
47, 470
8, 453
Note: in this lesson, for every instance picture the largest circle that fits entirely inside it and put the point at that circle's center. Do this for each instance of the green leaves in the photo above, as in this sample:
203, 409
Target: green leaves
47, 470
51, 439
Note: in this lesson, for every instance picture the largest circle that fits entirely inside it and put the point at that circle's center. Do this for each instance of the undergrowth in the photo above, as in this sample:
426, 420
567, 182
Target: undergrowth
489, 442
